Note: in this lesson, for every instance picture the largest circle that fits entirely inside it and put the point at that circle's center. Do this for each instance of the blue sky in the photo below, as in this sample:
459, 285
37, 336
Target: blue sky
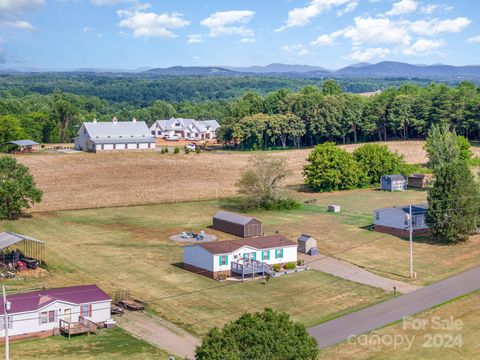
129, 34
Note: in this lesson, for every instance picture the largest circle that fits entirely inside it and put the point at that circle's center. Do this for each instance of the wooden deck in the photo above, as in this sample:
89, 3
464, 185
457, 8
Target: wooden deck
84, 326
251, 267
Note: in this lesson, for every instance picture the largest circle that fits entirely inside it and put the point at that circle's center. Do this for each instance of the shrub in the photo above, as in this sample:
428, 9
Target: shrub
197, 150
276, 267
165, 149
187, 150
330, 168
290, 266
300, 263
176, 150
376, 160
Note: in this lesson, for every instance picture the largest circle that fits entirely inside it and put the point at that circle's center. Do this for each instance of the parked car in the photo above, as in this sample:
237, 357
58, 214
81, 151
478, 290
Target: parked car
191, 147
172, 137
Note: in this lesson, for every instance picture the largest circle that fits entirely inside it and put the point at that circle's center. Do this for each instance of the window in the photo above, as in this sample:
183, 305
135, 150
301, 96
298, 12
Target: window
153, 132
85, 310
102, 146
149, 145
114, 146
266, 255
223, 260
138, 146
278, 253
10, 322
377, 215
126, 146
51, 316
44, 317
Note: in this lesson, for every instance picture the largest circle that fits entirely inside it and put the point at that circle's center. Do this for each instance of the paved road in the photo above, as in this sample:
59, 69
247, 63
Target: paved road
385, 313
355, 273
160, 333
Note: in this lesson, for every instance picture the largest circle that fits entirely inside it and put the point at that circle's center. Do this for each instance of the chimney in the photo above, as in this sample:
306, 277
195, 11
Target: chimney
114, 120
134, 120
94, 120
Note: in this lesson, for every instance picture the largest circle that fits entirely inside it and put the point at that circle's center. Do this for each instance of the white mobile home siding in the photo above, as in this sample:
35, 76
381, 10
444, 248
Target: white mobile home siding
398, 219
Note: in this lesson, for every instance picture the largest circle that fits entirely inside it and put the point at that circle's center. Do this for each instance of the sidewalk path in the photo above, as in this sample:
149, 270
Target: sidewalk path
160, 333
355, 273
387, 312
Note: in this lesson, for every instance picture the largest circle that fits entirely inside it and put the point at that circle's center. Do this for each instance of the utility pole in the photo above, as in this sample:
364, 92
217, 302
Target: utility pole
6, 308
410, 228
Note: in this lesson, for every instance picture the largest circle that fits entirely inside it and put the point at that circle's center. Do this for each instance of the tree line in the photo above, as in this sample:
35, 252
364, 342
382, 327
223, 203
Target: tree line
280, 118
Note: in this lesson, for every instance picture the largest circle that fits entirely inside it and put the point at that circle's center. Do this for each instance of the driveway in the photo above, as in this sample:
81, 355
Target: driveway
385, 313
355, 273
159, 333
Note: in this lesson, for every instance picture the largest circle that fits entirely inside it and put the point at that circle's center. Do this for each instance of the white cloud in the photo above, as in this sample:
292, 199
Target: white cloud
349, 8
327, 39
369, 54
247, 40
302, 16
229, 23
12, 6
296, 49
423, 47
435, 26
428, 9
149, 24
376, 31
475, 39
87, 29
403, 7
195, 39
18, 24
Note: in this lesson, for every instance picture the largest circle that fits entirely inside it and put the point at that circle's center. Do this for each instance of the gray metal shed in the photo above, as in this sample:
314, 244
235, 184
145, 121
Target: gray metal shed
236, 224
306, 243
396, 182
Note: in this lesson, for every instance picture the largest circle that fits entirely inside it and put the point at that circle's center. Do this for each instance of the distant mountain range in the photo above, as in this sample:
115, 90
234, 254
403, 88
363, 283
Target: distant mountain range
385, 69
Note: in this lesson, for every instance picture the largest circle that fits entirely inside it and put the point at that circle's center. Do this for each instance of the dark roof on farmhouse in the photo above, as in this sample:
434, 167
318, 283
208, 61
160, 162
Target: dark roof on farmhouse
233, 218
263, 242
395, 177
36, 300
417, 209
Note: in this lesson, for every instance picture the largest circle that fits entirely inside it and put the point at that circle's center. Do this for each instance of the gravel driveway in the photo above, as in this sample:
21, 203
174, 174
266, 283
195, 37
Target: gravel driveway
354, 273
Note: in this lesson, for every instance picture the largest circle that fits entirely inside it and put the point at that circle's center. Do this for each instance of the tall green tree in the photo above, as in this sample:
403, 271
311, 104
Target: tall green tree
330, 168
269, 335
453, 212
10, 129
65, 114
17, 188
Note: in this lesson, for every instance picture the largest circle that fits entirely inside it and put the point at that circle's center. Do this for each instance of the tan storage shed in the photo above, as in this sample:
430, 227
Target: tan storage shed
306, 243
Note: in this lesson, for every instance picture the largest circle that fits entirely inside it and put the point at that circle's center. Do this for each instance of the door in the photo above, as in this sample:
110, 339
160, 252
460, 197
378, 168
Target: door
67, 314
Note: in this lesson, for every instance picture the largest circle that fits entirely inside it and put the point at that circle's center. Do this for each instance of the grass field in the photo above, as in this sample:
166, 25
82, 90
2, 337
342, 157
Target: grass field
129, 248
464, 309
114, 343
78, 181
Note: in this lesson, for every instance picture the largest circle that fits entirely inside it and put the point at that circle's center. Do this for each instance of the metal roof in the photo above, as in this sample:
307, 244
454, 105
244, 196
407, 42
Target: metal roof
233, 218
395, 177
118, 129
23, 142
418, 209
305, 237
9, 238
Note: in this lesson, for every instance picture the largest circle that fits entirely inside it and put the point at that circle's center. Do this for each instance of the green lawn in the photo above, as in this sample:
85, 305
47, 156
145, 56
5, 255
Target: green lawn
129, 248
110, 344
467, 346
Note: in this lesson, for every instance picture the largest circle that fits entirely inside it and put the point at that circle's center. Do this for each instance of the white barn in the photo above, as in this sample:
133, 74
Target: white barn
39, 313
188, 129
395, 220
114, 136
212, 259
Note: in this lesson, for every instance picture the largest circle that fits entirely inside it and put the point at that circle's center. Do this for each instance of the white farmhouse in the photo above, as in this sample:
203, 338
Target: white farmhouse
114, 136
222, 257
395, 220
187, 129
42, 313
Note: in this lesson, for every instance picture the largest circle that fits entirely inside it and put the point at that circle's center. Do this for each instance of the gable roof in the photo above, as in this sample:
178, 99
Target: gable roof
36, 300
233, 217
23, 142
120, 129
395, 177
200, 125
305, 237
263, 242
418, 209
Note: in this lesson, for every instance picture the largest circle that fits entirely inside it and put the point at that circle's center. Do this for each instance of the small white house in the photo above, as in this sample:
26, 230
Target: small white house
39, 313
114, 136
188, 129
395, 220
212, 259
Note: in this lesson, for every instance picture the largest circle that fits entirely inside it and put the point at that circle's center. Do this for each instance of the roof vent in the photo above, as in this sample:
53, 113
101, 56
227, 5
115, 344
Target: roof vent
114, 120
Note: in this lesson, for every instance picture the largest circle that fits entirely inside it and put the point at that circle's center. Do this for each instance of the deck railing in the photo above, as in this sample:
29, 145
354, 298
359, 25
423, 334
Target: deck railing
251, 267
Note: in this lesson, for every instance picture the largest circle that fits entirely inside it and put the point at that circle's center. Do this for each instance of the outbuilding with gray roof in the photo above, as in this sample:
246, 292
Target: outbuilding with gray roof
236, 224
